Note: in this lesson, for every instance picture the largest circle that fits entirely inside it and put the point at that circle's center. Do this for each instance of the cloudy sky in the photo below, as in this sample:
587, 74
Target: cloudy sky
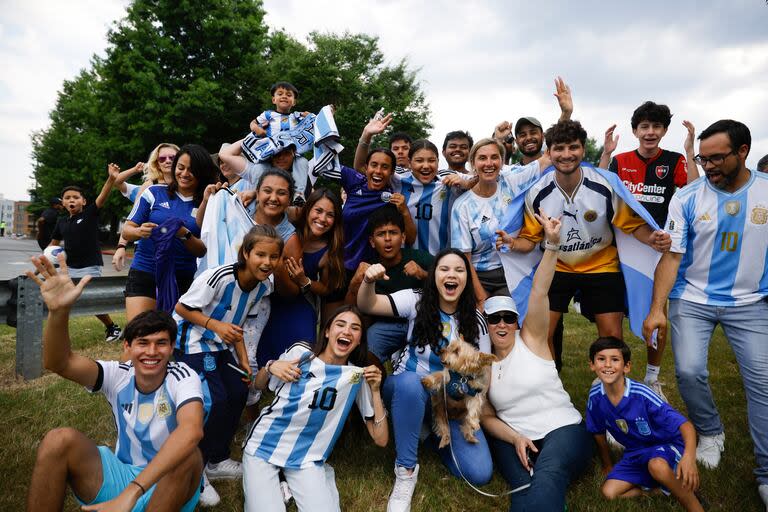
479, 62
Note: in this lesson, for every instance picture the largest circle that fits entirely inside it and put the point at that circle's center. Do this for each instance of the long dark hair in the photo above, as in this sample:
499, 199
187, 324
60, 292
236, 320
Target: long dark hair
359, 356
427, 327
335, 237
200, 165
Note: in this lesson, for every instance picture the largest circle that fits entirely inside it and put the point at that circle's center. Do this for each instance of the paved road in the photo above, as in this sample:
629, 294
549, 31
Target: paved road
15, 254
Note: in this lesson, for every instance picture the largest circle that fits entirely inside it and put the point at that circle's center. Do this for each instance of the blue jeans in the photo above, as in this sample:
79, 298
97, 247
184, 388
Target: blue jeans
385, 338
746, 328
409, 403
563, 455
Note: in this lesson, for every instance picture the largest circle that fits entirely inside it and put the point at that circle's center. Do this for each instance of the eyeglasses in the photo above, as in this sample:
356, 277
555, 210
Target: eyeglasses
509, 318
714, 159
162, 159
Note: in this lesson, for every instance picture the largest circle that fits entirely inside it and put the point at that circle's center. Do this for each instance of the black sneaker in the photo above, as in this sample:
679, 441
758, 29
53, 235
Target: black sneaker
113, 333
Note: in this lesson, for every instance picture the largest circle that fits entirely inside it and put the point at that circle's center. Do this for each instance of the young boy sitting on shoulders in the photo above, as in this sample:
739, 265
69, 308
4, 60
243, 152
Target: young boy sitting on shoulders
660, 444
272, 122
406, 268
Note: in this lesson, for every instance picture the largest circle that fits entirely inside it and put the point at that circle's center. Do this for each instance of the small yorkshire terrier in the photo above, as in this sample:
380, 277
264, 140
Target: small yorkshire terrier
466, 383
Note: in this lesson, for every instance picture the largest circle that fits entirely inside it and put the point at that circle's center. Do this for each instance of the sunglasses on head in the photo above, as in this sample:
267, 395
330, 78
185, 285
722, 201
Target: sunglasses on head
494, 318
162, 159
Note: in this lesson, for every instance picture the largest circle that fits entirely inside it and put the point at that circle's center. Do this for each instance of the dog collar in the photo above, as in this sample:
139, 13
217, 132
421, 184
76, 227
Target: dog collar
458, 386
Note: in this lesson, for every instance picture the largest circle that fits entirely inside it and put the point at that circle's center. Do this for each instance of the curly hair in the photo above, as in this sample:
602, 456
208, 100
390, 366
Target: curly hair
564, 132
653, 112
427, 327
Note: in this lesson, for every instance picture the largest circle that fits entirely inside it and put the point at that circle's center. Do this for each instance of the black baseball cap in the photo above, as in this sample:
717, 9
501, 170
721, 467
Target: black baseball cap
527, 120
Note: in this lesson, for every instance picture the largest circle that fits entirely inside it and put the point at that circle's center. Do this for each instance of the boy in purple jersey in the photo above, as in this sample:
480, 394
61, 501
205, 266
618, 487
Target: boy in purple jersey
660, 443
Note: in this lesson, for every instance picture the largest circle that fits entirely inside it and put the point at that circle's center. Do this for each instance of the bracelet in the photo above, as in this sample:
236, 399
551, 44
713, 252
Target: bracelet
361, 142
121, 246
549, 246
376, 422
512, 244
143, 490
268, 366
206, 323
365, 280
306, 286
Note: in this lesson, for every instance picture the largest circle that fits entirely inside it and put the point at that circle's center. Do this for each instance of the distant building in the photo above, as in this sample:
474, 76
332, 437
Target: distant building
23, 221
6, 214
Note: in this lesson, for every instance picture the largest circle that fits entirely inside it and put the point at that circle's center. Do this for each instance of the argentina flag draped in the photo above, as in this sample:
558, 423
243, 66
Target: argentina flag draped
225, 224
636, 259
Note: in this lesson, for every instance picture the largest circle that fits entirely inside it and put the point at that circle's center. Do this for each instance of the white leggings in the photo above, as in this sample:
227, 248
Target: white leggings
313, 488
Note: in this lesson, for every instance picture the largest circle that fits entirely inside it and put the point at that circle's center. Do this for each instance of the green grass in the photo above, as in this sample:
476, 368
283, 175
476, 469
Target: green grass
363, 472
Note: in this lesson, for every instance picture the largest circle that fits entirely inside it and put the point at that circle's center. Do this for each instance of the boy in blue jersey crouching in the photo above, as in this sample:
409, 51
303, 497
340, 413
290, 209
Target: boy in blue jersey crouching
660, 443
157, 407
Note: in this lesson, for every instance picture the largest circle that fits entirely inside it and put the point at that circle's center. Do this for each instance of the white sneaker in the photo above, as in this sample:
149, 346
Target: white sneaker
656, 387
225, 470
709, 450
208, 495
763, 490
402, 492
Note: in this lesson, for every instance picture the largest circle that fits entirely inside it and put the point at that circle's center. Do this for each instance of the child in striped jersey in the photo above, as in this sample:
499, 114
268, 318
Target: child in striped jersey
314, 392
210, 319
272, 122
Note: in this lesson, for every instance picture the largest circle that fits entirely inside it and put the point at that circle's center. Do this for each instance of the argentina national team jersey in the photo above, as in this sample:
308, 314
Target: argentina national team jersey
724, 241
277, 122
300, 427
588, 217
144, 421
421, 359
429, 205
217, 294
475, 219
640, 420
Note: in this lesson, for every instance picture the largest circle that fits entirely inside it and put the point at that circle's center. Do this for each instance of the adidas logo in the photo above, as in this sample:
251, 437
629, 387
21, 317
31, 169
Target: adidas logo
78, 221
705, 218
359, 192
484, 219
127, 407
309, 375
165, 204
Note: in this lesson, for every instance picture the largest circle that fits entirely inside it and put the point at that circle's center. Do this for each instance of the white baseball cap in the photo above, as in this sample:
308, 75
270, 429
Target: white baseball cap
499, 303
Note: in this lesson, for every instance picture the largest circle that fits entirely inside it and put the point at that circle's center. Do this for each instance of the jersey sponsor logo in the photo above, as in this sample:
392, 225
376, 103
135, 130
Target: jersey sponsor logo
590, 216
581, 246
209, 363
643, 427
662, 171
573, 234
622, 424
644, 188
643, 198
759, 215
627, 169
165, 205
732, 207
78, 221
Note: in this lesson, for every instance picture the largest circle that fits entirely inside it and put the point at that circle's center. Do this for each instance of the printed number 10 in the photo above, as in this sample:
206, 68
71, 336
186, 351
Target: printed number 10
729, 241
324, 399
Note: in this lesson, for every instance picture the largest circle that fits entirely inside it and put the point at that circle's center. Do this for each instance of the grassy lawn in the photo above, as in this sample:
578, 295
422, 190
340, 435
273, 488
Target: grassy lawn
363, 472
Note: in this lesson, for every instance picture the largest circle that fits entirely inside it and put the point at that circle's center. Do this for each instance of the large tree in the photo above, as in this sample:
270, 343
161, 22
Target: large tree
199, 71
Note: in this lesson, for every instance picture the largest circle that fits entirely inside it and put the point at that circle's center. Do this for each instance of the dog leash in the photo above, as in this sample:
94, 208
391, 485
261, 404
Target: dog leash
458, 467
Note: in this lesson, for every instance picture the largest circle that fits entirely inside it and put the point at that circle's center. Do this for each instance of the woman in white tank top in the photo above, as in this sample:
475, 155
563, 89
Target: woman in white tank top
536, 435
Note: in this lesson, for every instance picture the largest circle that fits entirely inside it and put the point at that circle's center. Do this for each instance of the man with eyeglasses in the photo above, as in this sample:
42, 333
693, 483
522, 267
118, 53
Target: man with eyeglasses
716, 272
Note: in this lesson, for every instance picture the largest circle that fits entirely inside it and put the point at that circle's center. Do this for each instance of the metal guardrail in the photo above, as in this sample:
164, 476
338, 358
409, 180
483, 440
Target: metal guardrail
102, 295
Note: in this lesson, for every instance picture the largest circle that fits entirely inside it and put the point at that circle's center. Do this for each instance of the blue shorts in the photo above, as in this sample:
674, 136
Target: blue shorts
633, 466
116, 476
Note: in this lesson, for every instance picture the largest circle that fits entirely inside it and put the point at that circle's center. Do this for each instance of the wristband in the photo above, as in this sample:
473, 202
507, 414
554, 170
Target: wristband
143, 490
365, 279
206, 323
549, 246
186, 236
268, 366
361, 142
306, 286
121, 246
378, 422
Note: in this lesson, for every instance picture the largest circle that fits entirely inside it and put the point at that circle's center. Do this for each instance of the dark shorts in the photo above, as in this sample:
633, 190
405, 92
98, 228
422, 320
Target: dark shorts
493, 282
142, 284
598, 293
339, 294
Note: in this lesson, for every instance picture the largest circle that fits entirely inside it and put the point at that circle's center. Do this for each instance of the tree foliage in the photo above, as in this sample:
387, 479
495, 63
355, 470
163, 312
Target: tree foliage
198, 71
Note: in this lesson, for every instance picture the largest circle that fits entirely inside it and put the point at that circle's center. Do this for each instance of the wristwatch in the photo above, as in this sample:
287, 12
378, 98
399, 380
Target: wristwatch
307, 286
187, 235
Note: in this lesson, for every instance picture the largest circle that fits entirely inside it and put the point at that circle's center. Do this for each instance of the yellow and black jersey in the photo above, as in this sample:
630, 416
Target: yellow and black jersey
588, 216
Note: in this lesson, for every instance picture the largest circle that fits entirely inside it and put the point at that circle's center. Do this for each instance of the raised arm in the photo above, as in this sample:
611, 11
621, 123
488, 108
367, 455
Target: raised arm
60, 294
367, 299
690, 162
113, 171
564, 99
609, 146
125, 175
536, 325
374, 127
232, 156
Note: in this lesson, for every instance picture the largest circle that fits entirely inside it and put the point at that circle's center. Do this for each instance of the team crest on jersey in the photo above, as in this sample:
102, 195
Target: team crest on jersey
507, 200
622, 424
573, 234
590, 216
163, 408
732, 207
355, 377
146, 411
671, 225
443, 194
662, 171
643, 427
446, 329
209, 363
759, 215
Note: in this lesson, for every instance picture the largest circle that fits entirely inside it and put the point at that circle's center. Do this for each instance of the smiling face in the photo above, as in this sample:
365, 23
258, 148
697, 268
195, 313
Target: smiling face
424, 165
273, 196
150, 355
184, 177
387, 240
284, 100
450, 279
401, 148
566, 156
609, 366
529, 139
284, 159
456, 152
649, 133
378, 171
261, 261
487, 163
502, 332
344, 335
321, 217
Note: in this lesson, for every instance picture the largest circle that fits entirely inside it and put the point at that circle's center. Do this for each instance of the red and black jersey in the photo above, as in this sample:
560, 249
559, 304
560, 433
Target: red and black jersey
652, 181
